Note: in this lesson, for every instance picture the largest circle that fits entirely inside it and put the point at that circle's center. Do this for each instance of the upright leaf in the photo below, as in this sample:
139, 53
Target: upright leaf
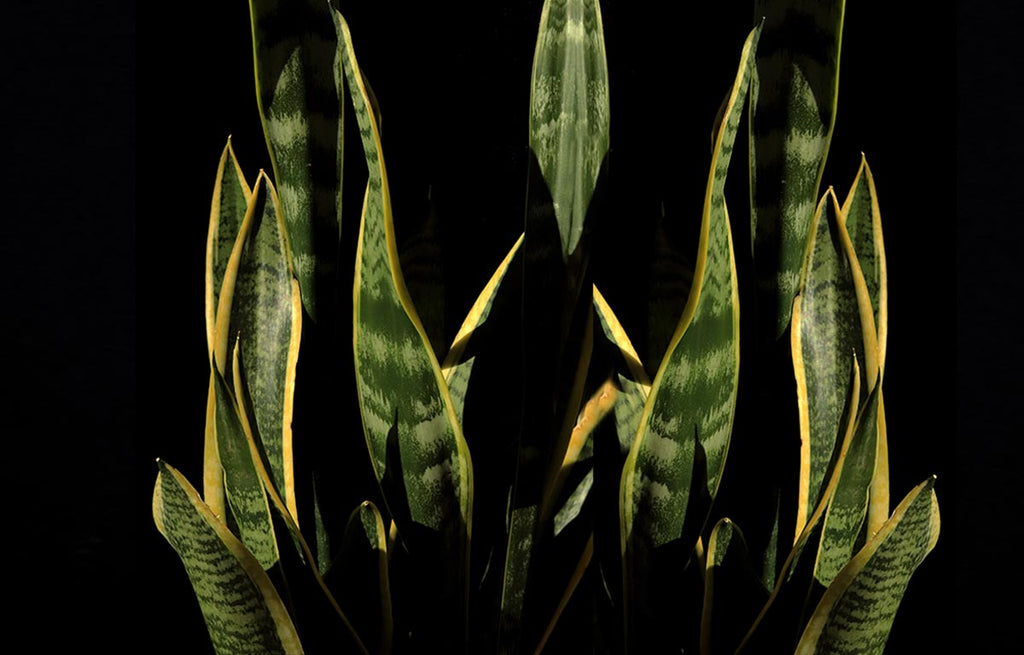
792, 112
569, 109
695, 388
243, 611
400, 385
266, 318
231, 196
826, 330
297, 89
857, 610
732, 590
360, 577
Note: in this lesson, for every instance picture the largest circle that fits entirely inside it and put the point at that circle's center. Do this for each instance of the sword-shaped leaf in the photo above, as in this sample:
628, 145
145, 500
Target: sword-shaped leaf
857, 610
242, 483
632, 381
266, 317
826, 330
360, 576
792, 112
399, 382
297, 89
864, 224
458, 368
243, 611
569, 109
231, 196
733, 592
695, 388
848, 506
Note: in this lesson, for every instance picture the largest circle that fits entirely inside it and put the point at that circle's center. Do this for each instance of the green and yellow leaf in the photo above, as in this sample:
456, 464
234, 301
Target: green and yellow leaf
266, 317
792, 113
242, 609
569, 109
733, 592
695, 388
858, 608
400, 384
298, 89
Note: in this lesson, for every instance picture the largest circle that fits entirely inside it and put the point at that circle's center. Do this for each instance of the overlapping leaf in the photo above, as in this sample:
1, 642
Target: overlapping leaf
569, 110
857, 610
400, 385
297, 89
792, 112
826, 330
695, 388
732, 591
243, 611
265, 316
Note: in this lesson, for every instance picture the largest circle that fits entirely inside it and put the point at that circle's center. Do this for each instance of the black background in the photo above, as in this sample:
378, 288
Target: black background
453, 85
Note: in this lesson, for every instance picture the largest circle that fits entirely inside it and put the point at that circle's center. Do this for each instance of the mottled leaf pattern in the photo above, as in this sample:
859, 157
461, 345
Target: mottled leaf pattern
847, 508
792, 112
458, 369
244, 613
399, 381
695, 388
569, 115
297, 88
826, 332
242, 482
266, 319
856, 612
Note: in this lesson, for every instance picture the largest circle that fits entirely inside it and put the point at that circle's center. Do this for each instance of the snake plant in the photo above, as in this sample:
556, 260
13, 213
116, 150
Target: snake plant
536, 482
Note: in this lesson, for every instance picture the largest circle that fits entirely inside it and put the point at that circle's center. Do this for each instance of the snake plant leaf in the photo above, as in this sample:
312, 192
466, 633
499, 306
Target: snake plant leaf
297, 90
633, 384
457, 367
242, 609
231, 196
695, 388
848, 506
792, 113
826, 330
733, 592
574, 582
863, 223
266, 317
244, 489
359, 577
858, 608
569, 109
399, 382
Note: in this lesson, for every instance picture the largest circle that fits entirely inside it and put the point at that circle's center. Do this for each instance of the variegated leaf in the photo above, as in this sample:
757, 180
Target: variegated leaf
792, 112
243, 611
400, 385
858, 608
457, 368
848, 506
297, 89
695, 388
245, 492
266, 318
826, 331
231, 196
569, 109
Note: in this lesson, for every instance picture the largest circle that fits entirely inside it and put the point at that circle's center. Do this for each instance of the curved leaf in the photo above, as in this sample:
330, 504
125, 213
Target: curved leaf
569, 109
792, 112
399, 381
857, 610
243, 611
826, 330
266, 318
733, 593
695, 388
297, 90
